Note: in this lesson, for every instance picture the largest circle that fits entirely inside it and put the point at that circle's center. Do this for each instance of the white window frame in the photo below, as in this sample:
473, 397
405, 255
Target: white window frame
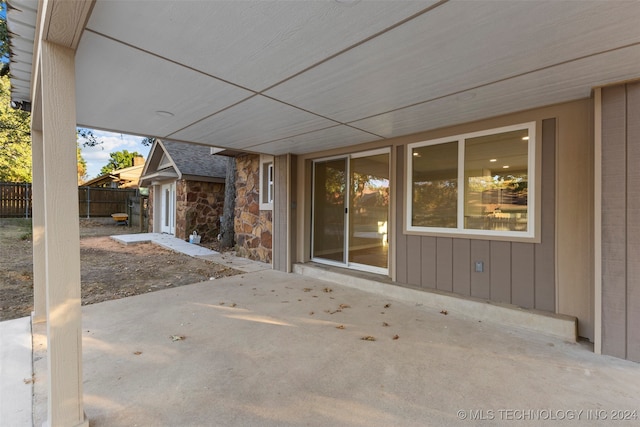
532, 193
267, 182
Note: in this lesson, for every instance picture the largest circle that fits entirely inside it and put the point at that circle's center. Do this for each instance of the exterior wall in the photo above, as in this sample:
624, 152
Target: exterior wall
199, 207
252, 226
620, 230
514, 272
554, 274
284, 211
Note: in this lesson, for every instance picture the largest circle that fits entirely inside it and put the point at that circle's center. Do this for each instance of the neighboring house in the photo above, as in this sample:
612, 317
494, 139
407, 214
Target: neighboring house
483, 149
186, 189
120, 178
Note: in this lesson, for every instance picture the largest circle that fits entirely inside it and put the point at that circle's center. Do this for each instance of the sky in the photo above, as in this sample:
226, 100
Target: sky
98, 156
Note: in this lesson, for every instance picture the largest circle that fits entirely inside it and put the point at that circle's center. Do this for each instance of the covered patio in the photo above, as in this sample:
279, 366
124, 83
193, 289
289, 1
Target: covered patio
303, 81
274, 349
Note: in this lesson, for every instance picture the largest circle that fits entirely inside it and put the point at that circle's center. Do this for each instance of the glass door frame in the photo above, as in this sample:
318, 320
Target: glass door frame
347, 212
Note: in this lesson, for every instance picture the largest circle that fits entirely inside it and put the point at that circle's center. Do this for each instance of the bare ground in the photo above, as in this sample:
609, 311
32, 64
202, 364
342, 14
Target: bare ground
109, 270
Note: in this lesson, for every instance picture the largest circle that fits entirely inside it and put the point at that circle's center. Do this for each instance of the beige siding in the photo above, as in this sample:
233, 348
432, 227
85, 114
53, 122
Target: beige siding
633, 222
621, 221
509, 268
554, 273
284, 208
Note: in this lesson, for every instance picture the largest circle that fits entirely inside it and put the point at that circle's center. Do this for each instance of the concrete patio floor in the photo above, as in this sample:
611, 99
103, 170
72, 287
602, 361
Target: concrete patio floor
267, 348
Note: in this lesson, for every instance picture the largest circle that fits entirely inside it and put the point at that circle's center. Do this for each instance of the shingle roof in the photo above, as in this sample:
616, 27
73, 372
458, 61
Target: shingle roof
192, 159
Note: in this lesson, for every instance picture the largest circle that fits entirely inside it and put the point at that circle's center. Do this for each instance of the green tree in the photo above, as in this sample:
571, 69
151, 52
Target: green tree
82, 165
4, 40
147, 141
15, 129
119, 160
15, 138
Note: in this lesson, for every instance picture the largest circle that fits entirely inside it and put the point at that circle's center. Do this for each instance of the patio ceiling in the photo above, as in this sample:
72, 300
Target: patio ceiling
298, 77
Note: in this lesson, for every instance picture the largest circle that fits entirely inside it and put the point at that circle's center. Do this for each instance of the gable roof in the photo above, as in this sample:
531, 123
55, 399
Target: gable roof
170, 160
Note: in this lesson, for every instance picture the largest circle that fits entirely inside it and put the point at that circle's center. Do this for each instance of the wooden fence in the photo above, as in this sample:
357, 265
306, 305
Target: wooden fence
15, 200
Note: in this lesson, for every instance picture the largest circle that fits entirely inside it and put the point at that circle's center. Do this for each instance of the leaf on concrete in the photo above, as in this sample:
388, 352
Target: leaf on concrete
177, 337
343, 306
137, 353
327, 290
445, 312
368, 338
311, 313
385, 324
340, 327
387, 305
307, 289
232, 304
395, 337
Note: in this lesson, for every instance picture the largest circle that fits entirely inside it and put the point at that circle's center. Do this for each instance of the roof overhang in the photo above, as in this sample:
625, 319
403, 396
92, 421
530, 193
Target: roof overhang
158, 177
298, 77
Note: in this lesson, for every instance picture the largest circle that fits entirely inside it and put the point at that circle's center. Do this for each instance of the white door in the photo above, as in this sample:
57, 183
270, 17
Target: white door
168, 217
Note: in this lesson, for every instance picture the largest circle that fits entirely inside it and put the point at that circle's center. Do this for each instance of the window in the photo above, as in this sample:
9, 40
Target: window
266, 182
477, 184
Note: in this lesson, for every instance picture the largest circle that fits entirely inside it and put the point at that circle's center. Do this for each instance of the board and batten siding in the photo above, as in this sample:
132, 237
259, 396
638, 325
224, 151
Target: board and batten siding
516, 273
620, 223
284, 211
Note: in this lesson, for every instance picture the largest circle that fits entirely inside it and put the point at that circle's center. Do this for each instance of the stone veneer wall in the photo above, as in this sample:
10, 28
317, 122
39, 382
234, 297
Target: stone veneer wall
199, 207
252, 227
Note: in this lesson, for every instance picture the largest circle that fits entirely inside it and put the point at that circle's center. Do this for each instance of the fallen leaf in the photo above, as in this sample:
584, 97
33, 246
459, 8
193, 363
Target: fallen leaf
232, 304
445, 312
221, 303
137, 353
342, 306
385, 324
327, 290
387, 305
311, 313
368, 338
29, 380
395, 337
307, 289
340, 327
177, 337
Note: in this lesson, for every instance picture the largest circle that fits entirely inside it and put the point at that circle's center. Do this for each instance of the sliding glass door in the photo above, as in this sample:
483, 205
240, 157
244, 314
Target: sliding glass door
351, 211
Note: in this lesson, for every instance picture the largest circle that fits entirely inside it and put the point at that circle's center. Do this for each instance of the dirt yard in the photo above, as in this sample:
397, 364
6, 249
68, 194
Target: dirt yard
109, 269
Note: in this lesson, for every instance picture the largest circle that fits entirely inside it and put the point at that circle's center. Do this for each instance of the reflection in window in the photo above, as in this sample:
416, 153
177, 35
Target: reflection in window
435, 185
495, 175
492, 169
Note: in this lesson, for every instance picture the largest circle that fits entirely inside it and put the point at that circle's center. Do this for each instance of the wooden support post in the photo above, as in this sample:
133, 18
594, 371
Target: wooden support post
62, 236
37, 223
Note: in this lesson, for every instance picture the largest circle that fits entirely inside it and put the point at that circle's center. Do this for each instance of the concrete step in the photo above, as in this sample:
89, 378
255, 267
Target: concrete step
557, 325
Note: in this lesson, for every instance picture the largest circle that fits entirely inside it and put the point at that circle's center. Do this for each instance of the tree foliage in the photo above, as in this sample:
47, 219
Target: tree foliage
119, 160
147, 141
82, 165
4, 40
89, 139
15, 138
